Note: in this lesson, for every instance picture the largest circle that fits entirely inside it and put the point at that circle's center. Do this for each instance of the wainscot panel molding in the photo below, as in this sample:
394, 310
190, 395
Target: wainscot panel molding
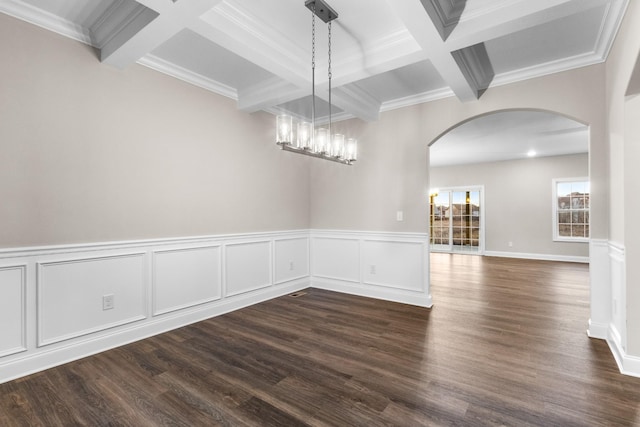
70, 295
600, 278
13, 309
617, 331
618, 294
291, 259
335, 257
184, 277
390, 266
247, 266
52, 298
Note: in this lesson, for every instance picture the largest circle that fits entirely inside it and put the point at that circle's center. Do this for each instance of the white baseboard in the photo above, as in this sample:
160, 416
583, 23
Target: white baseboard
628, 365
597, 330
405, 297
541, 257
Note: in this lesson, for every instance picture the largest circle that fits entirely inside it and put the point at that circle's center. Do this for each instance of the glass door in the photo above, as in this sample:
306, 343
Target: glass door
456, 220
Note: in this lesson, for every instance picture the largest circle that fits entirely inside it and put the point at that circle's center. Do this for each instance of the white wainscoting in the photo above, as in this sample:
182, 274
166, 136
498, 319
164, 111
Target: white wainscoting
51, 298
612, 294
600, 283
335, 257
394, 264
70, 295
248, 266
617, 331
13, 309
391, 266
291, 259
185, 277
618, 295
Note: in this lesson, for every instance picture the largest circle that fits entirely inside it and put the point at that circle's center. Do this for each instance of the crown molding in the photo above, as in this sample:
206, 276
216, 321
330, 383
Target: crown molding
547, 68
610, 26
273, 91
45, 20
168, 68
420, 98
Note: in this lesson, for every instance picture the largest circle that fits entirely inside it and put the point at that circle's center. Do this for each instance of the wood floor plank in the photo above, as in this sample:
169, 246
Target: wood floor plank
505, 344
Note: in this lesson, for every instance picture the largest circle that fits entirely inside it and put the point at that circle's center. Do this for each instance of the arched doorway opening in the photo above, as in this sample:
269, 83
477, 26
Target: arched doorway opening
512, 183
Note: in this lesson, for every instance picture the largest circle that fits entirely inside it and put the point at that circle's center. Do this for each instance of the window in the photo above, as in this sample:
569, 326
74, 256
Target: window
456, 220
571, 209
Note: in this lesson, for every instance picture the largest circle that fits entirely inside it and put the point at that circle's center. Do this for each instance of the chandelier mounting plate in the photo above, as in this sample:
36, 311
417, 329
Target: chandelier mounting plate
321, 9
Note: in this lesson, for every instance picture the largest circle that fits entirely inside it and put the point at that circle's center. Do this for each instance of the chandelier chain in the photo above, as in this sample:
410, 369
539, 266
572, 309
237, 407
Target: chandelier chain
329, 50
313, 38
329, 76
313, 74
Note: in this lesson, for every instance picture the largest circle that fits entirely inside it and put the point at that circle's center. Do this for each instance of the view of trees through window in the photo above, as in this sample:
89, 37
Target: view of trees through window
571, 209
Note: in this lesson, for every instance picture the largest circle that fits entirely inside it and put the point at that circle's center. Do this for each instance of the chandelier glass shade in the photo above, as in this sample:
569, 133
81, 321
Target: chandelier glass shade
306, 138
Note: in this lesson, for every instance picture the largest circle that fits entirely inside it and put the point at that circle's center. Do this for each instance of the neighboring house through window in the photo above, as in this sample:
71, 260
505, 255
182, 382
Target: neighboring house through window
571, 209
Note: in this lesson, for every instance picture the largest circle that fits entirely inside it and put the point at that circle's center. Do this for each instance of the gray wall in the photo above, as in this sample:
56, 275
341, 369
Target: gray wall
518, 201
91, 153
392, 172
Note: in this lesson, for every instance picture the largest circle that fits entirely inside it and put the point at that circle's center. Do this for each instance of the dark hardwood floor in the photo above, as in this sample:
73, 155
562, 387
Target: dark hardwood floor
504, 344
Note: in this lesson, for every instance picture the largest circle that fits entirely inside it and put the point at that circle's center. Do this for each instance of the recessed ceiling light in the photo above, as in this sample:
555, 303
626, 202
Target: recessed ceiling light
531, 153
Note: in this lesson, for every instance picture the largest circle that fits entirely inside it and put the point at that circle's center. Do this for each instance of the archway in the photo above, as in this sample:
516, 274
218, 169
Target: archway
518, 158
515, 156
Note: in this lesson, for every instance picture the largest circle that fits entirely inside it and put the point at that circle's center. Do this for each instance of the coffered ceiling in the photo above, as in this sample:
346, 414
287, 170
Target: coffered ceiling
386, 54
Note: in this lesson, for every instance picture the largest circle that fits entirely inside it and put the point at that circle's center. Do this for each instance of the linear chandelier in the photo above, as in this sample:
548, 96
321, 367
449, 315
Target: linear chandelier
311, 141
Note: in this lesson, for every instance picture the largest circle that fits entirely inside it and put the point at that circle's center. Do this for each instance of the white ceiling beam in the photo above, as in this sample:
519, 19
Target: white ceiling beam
252, 39
395, 51
419, 24
151, 28
512, 17
384, 54
248, 37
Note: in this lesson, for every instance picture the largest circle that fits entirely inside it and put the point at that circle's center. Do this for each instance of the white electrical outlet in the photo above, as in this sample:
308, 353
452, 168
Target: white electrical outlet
510, 244
291, 266
108, 302
399, 216
372, 269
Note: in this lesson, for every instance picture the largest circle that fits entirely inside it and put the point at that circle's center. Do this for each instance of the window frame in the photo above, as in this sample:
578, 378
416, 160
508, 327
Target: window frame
554, 210
448, 247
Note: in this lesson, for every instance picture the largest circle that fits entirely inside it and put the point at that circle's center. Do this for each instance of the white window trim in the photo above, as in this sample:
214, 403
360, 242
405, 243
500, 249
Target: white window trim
554, 210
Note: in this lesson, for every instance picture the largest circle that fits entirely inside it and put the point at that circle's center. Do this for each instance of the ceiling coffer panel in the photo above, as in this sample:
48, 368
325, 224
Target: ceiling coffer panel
386, 53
